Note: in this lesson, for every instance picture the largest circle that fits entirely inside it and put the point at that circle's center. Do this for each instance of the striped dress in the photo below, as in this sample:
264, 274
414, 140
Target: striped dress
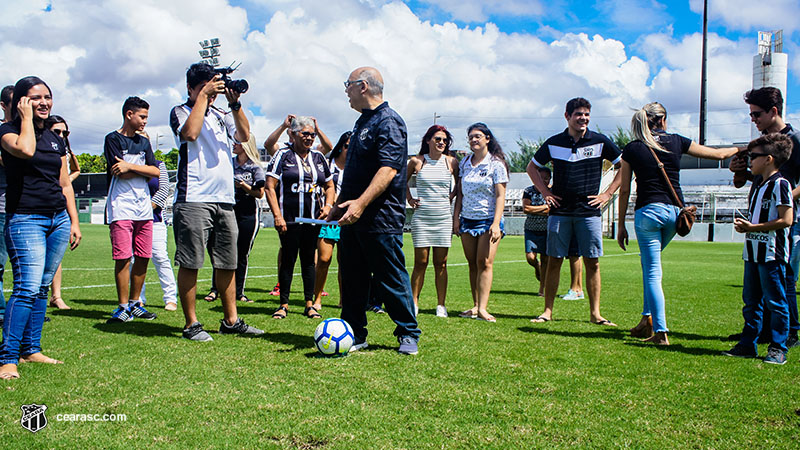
432, 224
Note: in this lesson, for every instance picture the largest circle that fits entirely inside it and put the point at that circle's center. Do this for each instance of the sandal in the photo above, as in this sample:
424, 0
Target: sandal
540, 319
312, 313
58, 302
211, 296
468, 314
245, 299
280, 315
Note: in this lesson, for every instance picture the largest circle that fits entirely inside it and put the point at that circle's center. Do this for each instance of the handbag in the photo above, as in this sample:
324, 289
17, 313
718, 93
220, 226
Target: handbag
688, 214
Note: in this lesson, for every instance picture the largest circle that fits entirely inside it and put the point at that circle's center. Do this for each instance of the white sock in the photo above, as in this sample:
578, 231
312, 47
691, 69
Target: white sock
124, 306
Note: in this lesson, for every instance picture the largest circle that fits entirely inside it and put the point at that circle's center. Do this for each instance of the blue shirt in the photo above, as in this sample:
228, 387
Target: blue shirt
379, 140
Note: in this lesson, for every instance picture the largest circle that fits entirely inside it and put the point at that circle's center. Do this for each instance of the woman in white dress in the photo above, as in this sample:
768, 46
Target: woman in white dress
432, 224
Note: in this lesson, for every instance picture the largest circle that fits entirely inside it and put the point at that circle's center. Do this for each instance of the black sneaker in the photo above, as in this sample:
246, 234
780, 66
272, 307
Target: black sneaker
138, 311
740, 351
735, 337
791, 341
195, 332
238, 328
775, 356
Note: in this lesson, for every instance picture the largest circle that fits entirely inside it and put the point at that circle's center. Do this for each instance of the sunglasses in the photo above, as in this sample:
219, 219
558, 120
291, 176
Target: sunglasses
756, 114
308, 134
62, 133
349, 83
757, 155
439, 139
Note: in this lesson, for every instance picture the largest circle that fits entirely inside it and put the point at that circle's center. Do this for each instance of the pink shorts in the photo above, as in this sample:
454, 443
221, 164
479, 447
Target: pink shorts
131, 237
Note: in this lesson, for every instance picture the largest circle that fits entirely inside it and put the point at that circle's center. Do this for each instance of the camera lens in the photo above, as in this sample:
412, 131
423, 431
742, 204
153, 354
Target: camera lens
239, 86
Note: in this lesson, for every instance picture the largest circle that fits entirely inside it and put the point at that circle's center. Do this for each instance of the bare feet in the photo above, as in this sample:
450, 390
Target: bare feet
659, 338
58, 302
8, 372
40, 358
484, 315
318, 306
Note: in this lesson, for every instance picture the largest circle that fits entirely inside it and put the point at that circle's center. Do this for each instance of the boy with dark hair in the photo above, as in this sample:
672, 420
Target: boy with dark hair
536, 209
766, 113
129, 213
575, 202
766, 249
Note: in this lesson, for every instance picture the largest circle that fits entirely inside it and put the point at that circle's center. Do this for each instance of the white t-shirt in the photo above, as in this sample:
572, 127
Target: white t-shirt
205, 170
477, 186
128, 198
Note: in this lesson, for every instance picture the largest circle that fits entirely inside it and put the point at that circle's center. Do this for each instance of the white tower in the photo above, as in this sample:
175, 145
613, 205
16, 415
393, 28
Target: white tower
770, 67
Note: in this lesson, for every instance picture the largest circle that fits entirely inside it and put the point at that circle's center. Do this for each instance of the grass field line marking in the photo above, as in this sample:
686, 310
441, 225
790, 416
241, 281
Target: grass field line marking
98, 286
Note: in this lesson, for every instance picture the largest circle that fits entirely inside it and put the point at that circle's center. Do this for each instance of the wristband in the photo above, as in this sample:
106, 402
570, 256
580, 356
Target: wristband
235, 106
329, 204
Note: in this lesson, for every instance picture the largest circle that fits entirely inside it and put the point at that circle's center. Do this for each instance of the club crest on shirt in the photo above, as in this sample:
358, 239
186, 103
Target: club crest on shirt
483, 173
363, 134
321, 167
586, 152
54, 145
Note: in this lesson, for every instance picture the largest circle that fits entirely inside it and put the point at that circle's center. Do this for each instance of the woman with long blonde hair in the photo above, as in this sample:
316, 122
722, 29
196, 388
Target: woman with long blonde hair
656, 212
249, 181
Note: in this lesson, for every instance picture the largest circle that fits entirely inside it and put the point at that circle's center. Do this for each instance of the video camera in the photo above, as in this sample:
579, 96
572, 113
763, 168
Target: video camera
240, 86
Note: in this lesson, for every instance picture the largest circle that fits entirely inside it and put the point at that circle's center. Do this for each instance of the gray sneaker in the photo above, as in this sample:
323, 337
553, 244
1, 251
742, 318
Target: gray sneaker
790, 342
408, 346
195, 332
358, 346
775, 356
238, 328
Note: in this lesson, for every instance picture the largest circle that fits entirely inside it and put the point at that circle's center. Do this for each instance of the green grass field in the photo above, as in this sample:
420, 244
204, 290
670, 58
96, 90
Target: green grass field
512, 384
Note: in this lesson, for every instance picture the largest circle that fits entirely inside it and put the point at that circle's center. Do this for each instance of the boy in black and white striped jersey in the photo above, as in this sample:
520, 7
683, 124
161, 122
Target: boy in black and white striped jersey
766, 248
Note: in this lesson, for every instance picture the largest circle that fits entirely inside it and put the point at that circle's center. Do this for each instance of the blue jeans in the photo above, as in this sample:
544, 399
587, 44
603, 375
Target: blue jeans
380, 256
765, 287
36, 244
655, 228
3, 259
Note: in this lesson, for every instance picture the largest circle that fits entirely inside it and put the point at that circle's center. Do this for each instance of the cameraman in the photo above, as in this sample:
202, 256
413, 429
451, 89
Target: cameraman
204, 195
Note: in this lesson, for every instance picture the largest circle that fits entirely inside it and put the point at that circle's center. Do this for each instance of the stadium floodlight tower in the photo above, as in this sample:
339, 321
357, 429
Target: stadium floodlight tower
770, 67
210, 51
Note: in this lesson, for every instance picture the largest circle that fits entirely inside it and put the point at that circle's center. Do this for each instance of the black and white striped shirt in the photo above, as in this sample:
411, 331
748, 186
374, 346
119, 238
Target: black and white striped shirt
301, 183
764, 199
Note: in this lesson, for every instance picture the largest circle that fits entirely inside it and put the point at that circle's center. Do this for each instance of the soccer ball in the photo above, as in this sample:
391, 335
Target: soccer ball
333, 337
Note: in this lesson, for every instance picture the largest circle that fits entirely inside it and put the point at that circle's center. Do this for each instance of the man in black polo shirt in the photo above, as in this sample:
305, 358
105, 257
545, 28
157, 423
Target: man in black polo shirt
766, 112
371, 210
577, 155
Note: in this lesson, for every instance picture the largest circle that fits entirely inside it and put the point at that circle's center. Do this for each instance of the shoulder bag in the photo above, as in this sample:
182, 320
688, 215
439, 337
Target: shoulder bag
688, 214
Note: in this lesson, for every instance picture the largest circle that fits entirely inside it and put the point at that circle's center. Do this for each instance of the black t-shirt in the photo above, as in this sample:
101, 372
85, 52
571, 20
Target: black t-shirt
379, 140
252, 174
577, 170
301, 181
791, 168
650, 184
34, 184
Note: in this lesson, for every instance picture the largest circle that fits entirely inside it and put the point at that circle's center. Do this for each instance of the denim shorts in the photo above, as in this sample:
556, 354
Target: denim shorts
536, 242
586, 231
330, 232
479, 226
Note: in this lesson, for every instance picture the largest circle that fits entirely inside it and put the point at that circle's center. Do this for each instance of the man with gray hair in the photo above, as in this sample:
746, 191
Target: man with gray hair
371, 211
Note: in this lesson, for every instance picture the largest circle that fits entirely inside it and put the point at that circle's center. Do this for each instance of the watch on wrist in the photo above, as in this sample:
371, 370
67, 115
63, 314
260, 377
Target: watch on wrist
235, 106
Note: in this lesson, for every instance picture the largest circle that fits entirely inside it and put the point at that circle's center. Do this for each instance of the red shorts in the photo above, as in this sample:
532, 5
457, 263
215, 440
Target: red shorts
131, 237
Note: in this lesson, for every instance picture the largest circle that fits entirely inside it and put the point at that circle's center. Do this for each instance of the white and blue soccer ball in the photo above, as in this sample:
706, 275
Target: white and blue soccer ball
333, 337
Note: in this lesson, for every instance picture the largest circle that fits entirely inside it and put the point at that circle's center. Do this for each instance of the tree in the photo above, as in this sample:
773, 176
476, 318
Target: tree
170, 159
518, 161
92, 163
621, 137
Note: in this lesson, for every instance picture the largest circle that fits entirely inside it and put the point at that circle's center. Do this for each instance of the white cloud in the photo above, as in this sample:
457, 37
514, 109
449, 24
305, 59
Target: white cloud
474, 11
748, 15
96, 55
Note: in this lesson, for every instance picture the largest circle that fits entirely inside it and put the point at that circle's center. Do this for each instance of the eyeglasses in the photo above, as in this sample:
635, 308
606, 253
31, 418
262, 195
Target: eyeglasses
439, 139
475, 136
308, 134
349, 83
62, 133
757, 155
756, 114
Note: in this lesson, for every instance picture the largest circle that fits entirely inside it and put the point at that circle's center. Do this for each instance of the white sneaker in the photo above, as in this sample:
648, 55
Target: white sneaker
441, 311
572, 295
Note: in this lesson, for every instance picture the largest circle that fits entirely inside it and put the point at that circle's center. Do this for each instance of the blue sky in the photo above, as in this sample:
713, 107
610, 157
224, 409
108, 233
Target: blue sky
512, 64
